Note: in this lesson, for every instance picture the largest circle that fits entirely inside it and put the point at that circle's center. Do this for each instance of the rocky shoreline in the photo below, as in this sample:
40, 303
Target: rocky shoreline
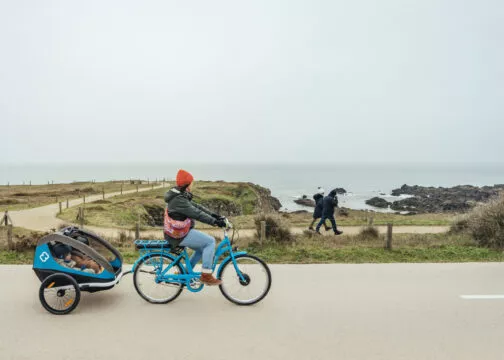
437, 199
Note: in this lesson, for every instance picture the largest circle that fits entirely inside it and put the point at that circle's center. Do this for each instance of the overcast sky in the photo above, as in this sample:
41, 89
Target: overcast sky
252, 81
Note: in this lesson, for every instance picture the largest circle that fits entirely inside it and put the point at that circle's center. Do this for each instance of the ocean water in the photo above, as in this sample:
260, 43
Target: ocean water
286, 181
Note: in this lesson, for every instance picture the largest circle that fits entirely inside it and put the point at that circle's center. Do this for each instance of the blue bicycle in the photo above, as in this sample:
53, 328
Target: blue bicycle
161, 273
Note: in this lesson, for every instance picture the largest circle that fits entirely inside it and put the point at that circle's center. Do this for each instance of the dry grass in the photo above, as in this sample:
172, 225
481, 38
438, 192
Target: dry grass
18, 197
369, 232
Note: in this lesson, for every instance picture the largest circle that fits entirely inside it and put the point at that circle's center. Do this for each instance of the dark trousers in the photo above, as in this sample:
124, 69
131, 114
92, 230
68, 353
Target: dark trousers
316, 220
331, 219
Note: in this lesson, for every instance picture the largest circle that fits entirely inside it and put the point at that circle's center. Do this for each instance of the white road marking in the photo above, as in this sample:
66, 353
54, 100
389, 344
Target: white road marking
482, 297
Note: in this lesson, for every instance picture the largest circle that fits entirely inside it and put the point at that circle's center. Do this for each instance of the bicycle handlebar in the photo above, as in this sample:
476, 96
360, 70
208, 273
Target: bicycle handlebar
228, 224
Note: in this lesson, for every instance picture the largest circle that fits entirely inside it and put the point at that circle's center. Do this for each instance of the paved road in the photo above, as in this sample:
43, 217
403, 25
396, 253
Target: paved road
389, 311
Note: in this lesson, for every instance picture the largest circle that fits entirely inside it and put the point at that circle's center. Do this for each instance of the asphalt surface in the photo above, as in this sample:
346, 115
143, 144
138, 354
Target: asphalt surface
387, 311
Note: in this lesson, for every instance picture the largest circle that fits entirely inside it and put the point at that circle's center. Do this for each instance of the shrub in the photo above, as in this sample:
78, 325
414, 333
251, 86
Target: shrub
27, 242
369, 232
275, 230
460, 225
486, 223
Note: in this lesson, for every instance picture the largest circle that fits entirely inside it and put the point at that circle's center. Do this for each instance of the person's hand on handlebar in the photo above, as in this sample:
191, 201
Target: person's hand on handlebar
221, 222
217, 216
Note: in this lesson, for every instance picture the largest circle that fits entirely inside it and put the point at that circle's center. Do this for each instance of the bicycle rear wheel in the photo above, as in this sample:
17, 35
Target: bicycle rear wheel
255, 284
144, 279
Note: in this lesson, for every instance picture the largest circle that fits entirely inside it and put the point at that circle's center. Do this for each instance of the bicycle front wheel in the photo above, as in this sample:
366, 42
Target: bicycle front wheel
253, 285
146, 273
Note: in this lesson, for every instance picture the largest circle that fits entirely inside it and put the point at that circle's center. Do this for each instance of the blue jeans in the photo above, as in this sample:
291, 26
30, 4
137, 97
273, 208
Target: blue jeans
330, 218
203, 246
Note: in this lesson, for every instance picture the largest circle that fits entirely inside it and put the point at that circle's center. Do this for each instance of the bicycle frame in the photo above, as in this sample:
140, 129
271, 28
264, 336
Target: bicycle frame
182, 259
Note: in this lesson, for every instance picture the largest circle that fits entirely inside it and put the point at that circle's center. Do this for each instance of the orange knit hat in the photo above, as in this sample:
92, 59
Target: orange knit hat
184, 178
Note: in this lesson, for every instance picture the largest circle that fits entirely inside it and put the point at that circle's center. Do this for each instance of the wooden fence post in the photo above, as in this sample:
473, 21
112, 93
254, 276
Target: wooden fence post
103, 192
81, 217
84, 198
388, 245
121, 189
10, 243
60, 207
263, 232
67, 204
30, 182
137, 228
137, 187
6, 219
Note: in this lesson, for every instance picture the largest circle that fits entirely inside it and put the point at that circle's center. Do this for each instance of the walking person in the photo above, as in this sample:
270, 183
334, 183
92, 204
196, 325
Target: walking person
317, 213
328, 204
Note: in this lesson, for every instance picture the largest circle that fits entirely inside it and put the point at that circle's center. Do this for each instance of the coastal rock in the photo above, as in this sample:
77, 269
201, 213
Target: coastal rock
223, 207
266, 203
305, 201
378, 202
439, 199
227, 199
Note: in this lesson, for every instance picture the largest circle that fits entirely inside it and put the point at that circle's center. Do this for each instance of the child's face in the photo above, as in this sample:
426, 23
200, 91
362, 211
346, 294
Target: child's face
68, 257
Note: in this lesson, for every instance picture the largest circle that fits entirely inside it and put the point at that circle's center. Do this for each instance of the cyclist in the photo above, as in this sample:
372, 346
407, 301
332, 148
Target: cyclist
180, 214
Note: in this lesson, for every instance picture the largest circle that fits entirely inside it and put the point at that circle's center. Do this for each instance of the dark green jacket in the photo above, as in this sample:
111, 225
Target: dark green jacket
180, 207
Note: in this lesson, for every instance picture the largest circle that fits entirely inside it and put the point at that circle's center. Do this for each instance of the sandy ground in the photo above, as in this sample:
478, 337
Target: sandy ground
387, 311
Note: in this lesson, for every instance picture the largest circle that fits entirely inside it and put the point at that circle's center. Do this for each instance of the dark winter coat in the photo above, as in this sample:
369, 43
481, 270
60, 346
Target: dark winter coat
180, 207
329, 203
317, 213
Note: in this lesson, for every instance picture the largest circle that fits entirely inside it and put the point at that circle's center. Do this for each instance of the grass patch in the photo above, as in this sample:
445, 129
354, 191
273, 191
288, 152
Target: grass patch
16, 257
358, 255
408, 248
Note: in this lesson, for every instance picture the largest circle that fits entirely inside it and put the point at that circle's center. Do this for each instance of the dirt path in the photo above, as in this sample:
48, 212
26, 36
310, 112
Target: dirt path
44, 219
248, 233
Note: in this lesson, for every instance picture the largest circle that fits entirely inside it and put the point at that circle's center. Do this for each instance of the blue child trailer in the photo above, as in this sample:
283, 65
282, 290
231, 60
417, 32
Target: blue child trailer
73, 260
